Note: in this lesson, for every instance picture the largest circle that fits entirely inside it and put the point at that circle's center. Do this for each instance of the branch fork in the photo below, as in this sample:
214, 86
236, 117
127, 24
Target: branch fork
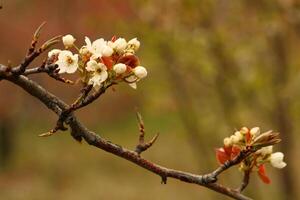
18, 76
142, 145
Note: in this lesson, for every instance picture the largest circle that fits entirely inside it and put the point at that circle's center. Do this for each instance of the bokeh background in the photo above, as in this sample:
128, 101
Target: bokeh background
214, 66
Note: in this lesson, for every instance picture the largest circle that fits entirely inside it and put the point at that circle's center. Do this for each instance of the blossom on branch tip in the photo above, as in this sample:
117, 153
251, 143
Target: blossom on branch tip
257, 148
97, 48
276, 160
227, 142
120, 68
68, 40
107, 51
140, 72
244, 130
134, 44
265, 150
53, 52
99, 73
235, 139
131, 80
67, 62
239, 135
101, 61
255, 131
119, 45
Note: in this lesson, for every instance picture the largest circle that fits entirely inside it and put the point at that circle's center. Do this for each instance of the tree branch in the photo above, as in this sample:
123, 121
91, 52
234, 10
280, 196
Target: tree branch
78, 131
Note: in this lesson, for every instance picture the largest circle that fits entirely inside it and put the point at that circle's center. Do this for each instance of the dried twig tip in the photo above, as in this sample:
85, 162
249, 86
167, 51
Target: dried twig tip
37, 32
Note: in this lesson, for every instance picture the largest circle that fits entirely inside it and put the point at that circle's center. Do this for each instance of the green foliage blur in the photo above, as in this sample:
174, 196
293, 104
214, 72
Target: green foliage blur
213, 67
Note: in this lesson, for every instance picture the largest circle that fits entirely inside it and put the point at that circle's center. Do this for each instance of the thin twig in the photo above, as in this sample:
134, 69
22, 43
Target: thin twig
245, 181
229, 163
143, 146
57, 105
42, 69
32, 52
85, 99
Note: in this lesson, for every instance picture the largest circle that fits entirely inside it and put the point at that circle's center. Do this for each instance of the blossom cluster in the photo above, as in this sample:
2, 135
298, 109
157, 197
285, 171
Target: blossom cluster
263, 142
100, 62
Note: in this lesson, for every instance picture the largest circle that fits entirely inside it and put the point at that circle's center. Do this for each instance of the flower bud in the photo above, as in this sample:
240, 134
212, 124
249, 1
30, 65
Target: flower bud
276, 160
140, 72
234, 139
68, 40
107, 51
239, 135
53, 52
265, 150
255, 131
134, 44
119, 45
120, 68
227, 142
244, 130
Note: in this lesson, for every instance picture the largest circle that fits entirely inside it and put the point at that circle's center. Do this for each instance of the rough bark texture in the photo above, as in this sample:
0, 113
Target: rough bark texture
57, 106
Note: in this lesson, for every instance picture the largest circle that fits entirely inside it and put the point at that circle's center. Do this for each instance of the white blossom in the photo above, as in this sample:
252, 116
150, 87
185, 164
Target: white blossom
107, 50
244, 130
67, 62
265, 150
255, 131
99, 73
227, 142
119, 45
120, 68
132, 81
98, 48
239, 135
134, 44
53, 52
68, 40
276, 160
140, 72
235, 139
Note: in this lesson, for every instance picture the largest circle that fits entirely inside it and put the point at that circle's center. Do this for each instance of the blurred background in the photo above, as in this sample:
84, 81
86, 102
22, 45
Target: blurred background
214, 66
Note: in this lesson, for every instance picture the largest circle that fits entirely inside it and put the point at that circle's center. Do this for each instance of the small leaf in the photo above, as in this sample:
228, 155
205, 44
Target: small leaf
114, 38
248, 137
235, 151
262, 174
221, 155
228, 150
130, 60
108, 62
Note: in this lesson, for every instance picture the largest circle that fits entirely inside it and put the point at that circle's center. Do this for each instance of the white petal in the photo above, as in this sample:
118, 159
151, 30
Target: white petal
227, 142
53, 52
88, 41
133, 85
72, 68
255, 131
234, 139
131, 79
104, 76
62, 67
107, 51
120, 68
68, 40
91, 66
134, 43
120, 44
140, 72
276, 160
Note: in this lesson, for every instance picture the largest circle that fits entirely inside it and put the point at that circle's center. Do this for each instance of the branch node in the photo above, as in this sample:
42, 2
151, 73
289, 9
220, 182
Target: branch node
163, 179
142, 145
